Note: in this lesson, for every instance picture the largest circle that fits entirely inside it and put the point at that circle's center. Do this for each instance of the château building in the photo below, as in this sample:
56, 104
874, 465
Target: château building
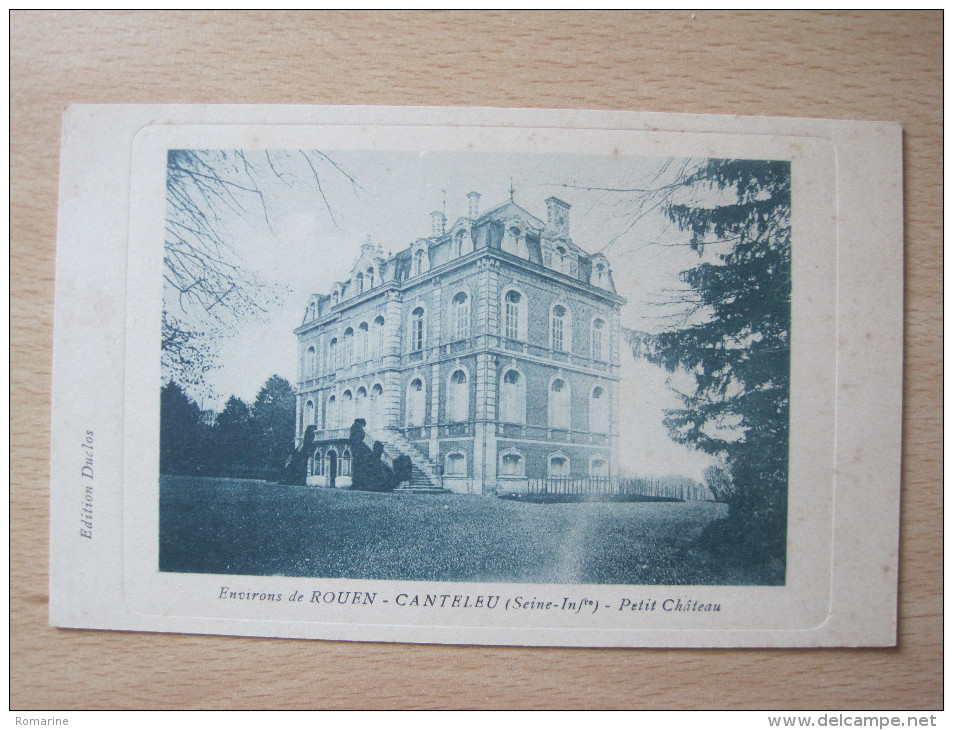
487, 352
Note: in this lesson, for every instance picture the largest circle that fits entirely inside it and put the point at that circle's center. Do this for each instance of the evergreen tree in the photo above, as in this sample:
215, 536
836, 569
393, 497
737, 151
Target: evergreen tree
735, 344
273, 414
234, 439
183, 435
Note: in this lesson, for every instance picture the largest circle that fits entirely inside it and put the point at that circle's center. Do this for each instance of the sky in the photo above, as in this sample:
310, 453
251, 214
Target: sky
308, 242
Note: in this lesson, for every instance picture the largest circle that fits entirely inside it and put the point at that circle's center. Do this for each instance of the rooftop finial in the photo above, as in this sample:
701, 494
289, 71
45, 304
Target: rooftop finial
511, 190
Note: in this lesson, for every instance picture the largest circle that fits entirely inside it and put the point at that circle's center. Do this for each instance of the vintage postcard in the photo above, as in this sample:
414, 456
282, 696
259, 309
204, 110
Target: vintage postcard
478, 376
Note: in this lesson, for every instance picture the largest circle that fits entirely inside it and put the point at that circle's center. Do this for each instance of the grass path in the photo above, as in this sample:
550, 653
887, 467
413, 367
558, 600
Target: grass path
235, 526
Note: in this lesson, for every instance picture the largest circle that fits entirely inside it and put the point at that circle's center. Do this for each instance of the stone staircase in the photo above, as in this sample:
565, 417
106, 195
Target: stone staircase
425, 479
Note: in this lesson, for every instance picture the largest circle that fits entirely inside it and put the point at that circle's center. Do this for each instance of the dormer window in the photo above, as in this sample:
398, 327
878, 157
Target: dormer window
370, 278
360, 283
561, 260
458, 244
513, 242
418, 266
600, 275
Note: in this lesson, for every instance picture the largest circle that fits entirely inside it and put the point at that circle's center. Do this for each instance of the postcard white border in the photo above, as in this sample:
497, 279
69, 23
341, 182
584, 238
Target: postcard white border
846, 376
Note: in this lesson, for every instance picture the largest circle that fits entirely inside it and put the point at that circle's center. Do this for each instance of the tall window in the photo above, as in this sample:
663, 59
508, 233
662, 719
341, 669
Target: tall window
377, 403
370, 278
598, 339
309, 414
418, 267
347, 409
333, 354
360, 283
347, 357
378, 343
513, 321
360, 404
344, 463
458, 398
416, 403
310, 363
460, 308
458, 244
599, 410
513, 397
559, 399
561, 260
362, 342
558, 466
417, 330
560, 328
331, 413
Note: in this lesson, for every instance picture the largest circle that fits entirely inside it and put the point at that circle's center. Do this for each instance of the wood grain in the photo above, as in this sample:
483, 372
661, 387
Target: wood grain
883, 66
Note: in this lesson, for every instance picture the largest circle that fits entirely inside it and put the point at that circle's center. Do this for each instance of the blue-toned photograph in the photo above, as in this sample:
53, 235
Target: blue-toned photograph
450, 366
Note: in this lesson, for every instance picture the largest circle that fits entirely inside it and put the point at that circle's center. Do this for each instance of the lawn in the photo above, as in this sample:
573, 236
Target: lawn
235, 526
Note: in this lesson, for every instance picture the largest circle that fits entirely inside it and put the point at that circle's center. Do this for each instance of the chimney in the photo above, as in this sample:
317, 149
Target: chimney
557, 215
474, 200
439, 221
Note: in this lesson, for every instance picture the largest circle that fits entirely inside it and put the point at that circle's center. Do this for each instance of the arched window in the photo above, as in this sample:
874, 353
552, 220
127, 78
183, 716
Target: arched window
598, 339
377, 394
417, 330
514, 315
360, 283
309, 414
377, 345
335, 297
456, 464
344, 463
347, 357
370, 278
460, 312
360, 404
511, 464
459, 241
333, 355
331, 414
418, 266
598, 467
560, 335
513, 397
317, 463
558, 466
363, 342
559, 399
458, 398
331, 455
416, 403
311, 362
599, 410
347, 409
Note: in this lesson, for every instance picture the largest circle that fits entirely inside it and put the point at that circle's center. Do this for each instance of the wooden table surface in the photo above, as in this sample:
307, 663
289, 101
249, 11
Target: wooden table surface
877, 66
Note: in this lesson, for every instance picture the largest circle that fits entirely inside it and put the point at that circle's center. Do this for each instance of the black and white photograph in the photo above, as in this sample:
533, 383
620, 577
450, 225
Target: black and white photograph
476, 367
